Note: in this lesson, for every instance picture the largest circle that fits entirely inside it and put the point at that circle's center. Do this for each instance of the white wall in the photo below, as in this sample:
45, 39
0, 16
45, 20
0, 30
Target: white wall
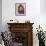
43, 14
33, 13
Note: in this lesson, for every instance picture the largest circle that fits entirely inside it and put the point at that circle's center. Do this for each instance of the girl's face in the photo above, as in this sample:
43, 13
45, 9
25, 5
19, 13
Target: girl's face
21, 8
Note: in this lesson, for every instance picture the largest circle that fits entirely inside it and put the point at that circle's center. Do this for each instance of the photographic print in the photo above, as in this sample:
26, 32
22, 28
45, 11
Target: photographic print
20, 9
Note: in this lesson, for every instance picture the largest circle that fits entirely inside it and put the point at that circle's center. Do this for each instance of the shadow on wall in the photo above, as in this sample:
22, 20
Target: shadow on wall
43, 6
0, 15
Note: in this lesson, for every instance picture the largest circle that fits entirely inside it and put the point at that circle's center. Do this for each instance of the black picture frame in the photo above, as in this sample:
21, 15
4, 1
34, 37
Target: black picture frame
20, 9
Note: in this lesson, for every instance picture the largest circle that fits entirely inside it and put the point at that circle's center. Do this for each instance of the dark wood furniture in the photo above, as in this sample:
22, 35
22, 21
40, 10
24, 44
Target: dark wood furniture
22, 33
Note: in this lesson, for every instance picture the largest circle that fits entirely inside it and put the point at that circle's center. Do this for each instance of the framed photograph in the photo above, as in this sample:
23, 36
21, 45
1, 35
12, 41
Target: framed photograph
20, 9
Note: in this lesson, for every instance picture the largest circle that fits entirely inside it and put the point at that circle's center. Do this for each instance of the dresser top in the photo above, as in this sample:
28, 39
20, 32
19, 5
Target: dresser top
19, 23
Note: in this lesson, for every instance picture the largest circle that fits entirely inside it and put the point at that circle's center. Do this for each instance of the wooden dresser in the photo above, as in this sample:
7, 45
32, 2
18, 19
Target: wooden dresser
22, 33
